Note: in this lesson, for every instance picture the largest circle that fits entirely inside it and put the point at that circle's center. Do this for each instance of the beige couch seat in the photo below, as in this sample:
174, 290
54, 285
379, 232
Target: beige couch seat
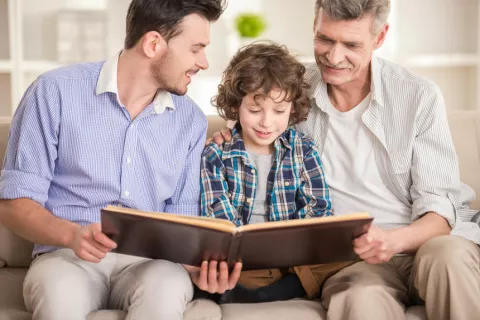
15, 252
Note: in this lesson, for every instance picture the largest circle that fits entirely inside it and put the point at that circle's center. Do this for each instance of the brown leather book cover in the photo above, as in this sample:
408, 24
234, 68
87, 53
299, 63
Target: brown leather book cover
190, 240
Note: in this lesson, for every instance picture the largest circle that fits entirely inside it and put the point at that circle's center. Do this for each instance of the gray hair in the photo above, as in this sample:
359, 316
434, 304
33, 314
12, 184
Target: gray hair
356, 9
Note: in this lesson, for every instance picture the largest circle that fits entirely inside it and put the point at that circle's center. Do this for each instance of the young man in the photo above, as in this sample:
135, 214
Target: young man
268, 171
118, 132
386, 148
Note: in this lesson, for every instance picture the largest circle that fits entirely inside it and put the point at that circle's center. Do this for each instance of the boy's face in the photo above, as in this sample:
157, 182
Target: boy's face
264, 121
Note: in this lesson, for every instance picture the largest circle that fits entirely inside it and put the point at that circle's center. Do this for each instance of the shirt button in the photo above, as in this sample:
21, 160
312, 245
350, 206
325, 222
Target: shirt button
252, 171
129, 160
229, 194
287, 184
249, 200
126, 193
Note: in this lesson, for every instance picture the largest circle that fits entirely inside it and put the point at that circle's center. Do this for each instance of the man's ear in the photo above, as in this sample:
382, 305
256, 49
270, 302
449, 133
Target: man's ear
153, 44
380, 37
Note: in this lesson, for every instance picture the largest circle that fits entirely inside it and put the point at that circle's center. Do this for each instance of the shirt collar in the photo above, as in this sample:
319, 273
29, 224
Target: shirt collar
376, 87
236, 148
318, 88
107, 82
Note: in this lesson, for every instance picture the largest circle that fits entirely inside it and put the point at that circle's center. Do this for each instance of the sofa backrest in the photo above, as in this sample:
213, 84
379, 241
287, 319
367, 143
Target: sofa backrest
465, 128
14, 251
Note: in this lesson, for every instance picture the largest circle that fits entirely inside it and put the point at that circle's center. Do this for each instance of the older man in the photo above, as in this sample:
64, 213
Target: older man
386, 148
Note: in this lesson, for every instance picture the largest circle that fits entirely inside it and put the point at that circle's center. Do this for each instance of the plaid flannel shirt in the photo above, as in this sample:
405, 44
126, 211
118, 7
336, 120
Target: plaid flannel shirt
296, 186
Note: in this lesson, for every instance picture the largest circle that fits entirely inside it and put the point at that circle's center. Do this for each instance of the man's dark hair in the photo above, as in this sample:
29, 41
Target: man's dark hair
164, 16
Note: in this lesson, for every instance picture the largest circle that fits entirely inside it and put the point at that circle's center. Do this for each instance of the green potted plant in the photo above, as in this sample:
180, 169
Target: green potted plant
249, 26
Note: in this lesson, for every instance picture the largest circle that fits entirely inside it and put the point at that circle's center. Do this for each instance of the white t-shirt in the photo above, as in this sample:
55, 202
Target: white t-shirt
351, 172
263, 163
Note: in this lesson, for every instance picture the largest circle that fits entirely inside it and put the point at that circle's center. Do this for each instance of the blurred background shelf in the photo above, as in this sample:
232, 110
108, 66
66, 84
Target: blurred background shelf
442, 44
6, 66
38, 66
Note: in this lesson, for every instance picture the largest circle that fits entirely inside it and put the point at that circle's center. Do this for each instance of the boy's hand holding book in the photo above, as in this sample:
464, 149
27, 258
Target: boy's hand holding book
209, 278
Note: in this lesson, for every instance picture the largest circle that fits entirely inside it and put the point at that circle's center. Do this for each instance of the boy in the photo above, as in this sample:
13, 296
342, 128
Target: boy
268, 171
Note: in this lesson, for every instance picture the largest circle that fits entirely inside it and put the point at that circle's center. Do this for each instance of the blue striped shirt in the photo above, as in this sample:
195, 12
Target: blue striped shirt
74, 148
296, 186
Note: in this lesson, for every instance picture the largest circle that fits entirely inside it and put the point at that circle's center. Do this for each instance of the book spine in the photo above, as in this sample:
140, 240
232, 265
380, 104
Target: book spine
234, 249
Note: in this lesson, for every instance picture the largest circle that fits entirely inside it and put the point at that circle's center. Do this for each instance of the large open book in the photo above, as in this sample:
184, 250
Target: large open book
190, 240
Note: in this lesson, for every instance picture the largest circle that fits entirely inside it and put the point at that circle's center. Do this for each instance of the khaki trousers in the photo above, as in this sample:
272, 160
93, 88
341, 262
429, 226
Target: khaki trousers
445, 273
312, 277
61, 286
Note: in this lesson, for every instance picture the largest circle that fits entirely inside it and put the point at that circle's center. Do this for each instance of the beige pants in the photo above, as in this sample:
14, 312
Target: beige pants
445, 273
61, 286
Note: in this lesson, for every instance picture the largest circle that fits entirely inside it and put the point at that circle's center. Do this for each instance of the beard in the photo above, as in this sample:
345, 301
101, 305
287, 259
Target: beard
162, 79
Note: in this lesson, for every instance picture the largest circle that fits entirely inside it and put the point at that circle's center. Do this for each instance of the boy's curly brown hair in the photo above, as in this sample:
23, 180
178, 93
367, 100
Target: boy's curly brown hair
262, 66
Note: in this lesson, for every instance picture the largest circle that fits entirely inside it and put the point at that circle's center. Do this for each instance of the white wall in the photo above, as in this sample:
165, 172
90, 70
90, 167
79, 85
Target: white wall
290, 22
431, 27
443, 26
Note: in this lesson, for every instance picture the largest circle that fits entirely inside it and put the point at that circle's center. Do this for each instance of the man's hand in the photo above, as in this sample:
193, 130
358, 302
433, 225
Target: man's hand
220, 137
90, 244
208, 278
376, 246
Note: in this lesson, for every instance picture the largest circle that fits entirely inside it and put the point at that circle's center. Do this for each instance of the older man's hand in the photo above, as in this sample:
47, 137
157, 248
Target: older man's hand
220, 137
376, 246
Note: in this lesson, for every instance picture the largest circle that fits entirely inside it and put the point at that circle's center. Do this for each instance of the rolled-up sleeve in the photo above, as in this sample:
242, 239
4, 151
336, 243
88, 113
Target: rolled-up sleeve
435, 172
31, 153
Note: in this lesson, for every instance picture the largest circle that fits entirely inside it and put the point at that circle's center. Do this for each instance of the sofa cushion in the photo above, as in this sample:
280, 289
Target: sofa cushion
4, 128
11, 294
281, 310
202, 310
215, 124
14, 251
196, 310
416, 313
107, 315
465, 129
